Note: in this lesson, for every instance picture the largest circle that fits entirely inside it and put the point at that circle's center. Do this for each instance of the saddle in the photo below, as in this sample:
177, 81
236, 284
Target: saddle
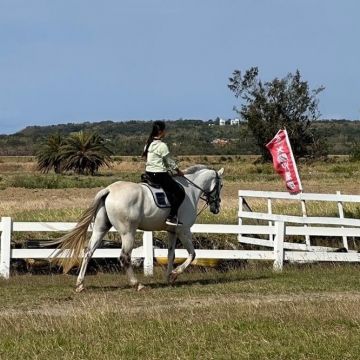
159, 195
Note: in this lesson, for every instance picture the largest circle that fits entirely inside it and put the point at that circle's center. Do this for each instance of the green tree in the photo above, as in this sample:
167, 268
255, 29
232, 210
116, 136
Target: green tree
281, 103
355, 151
85, 153
49, 154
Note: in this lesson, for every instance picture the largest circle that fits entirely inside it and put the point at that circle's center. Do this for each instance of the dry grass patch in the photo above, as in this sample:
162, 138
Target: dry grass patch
14, 201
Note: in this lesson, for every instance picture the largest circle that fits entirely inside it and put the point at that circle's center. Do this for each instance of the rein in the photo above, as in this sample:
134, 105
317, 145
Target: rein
198, 187
208, 194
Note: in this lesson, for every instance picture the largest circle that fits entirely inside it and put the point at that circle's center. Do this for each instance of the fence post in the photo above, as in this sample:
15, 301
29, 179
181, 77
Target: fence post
239, 217
5, 247
304, 212
279, 246
341, 215
148, 253
271, 236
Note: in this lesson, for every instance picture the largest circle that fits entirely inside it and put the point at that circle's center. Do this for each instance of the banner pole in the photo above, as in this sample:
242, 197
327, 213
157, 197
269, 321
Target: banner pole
284, 161
293, 160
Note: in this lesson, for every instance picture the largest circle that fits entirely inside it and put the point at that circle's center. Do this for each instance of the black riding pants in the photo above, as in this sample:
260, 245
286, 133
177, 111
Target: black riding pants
173, 190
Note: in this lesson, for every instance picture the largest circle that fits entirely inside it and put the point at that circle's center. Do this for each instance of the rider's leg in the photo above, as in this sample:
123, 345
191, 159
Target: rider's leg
170, 186
173, 189
178, 196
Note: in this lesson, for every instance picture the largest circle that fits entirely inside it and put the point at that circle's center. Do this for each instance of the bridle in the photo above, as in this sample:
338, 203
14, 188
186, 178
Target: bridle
210, 196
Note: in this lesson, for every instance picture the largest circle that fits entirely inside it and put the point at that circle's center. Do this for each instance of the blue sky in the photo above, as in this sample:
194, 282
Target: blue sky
84, 60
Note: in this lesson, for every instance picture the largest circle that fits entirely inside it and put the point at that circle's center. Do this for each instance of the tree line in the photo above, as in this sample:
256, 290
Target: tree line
263, 107
185, 137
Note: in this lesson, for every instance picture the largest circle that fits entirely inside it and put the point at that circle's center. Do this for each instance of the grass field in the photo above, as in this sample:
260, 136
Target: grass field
305, 312
302, 313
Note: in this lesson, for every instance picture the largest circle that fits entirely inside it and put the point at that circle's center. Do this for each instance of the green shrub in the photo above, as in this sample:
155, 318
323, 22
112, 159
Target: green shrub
355, 151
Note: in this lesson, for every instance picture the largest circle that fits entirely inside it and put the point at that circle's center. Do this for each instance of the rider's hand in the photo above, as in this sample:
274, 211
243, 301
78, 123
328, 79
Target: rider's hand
179, 172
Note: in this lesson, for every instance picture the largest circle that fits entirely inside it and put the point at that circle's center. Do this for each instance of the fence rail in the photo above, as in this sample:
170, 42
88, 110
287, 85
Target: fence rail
147, 251
277, 230
331, 226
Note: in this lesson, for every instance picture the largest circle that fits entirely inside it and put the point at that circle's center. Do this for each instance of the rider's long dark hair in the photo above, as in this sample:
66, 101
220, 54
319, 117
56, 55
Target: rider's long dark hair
158, 126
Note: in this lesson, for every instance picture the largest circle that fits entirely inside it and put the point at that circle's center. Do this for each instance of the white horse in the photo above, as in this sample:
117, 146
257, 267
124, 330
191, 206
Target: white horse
130, 206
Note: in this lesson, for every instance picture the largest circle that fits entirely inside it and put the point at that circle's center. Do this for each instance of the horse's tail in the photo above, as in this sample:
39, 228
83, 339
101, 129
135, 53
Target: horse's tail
74, 241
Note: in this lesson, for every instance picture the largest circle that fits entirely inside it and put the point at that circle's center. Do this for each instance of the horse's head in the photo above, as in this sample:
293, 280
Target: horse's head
213, 195
209, 182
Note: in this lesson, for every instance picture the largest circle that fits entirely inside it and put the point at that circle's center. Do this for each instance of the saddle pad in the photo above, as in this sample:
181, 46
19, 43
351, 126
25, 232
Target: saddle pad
159, 196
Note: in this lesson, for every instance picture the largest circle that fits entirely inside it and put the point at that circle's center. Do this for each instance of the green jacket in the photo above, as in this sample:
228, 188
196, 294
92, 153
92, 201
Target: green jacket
158, 158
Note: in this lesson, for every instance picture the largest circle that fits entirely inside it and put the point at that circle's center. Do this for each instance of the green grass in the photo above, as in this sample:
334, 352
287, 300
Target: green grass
306, 312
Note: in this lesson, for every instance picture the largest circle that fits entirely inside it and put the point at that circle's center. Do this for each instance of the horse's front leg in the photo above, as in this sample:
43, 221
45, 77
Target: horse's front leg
171, 254
185, 237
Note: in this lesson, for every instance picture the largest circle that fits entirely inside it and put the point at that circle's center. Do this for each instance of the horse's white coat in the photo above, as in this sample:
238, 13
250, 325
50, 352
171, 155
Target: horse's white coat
129, 206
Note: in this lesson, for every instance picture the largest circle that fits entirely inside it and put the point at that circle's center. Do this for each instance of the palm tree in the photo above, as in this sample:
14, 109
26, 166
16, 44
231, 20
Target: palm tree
85, 153
49, 154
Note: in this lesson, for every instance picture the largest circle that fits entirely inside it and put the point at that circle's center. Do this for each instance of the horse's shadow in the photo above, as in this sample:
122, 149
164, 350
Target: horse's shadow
153, 285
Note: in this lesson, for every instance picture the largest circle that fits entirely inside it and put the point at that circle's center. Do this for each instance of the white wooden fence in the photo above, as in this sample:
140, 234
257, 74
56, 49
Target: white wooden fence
147, 251
304, 225
276, 232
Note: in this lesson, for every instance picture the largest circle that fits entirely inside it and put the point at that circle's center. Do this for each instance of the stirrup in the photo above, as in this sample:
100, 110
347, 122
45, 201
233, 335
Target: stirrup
174, 221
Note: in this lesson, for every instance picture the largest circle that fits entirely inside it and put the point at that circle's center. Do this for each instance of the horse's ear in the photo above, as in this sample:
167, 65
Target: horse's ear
221, 171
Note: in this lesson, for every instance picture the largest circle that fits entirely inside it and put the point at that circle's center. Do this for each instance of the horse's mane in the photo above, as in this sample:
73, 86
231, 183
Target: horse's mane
194, 168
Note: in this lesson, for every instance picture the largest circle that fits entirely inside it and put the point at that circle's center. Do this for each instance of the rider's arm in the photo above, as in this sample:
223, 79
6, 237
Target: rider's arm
172, 165
169, 162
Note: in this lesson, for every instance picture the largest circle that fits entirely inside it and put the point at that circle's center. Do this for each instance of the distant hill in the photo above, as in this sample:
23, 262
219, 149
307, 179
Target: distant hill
184, 136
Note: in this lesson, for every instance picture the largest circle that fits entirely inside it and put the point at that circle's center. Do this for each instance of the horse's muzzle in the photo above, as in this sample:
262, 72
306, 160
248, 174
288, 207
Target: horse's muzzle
215, 210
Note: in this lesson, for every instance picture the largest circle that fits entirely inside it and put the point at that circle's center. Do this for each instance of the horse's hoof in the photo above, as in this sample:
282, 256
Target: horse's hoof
172, 278
140, 287
79, 288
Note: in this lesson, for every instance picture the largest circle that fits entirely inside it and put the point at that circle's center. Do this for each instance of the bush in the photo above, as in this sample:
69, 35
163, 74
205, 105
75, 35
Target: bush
355, 151
83, 153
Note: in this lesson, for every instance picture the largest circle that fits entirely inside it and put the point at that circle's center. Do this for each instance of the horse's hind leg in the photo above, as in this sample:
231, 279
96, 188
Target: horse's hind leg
101, 227
128, 240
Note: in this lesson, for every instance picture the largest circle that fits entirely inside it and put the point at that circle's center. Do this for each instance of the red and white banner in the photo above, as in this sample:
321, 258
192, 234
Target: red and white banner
284, 162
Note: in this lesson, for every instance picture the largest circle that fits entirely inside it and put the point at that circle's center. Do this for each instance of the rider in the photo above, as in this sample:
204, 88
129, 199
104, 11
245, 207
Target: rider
158, 163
